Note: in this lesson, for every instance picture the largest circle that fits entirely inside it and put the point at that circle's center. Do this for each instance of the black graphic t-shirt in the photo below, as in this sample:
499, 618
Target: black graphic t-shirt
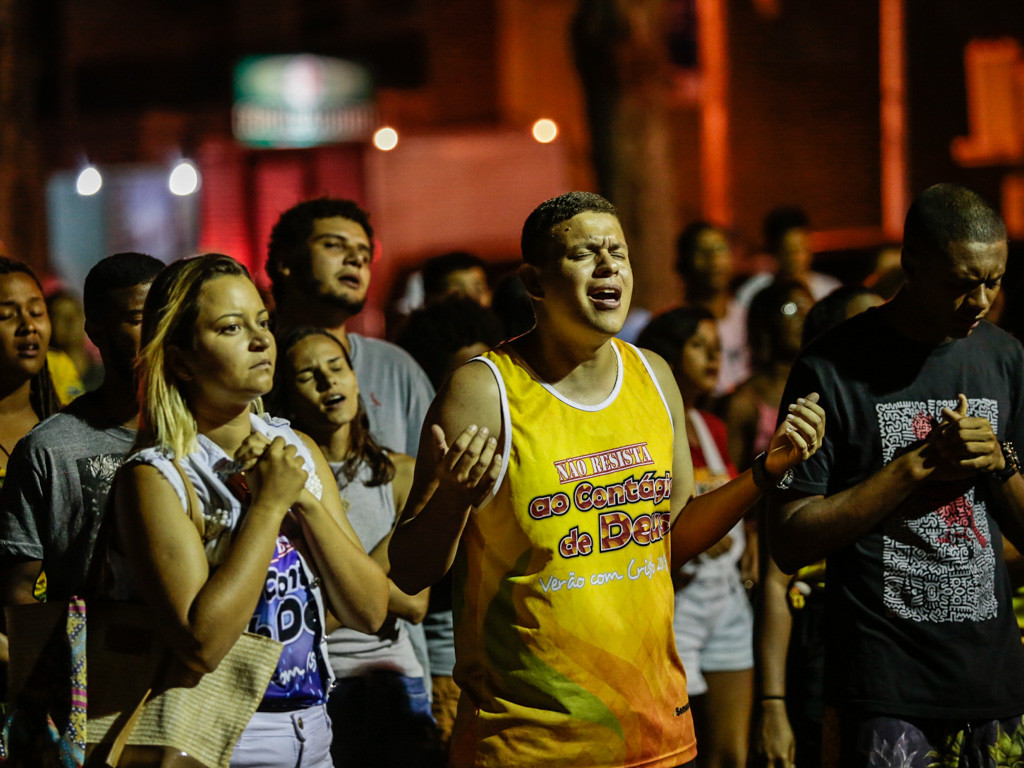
919, 618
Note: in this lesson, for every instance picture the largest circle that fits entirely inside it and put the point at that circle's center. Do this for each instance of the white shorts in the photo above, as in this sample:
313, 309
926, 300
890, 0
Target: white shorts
714, 627
297, 739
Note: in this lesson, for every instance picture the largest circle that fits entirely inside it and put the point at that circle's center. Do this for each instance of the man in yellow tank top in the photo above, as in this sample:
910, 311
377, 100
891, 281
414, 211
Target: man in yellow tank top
556, 504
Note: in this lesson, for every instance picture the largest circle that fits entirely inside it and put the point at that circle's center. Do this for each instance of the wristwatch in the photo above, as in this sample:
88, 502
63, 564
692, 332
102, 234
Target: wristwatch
1012, 463
761, 479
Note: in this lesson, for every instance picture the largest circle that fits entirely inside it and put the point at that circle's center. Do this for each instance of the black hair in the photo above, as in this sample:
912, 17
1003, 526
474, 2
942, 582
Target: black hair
778, 222
289, 237
537, 235
831, 310
686, 246
668, 332
437, 269
432, 334
363, 448
949, 213
42, 394
762, 317
513, 306
122, 270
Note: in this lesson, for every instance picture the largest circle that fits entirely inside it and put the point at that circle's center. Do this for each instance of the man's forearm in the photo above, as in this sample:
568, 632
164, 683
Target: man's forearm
1009, 498
806, 530
18, 578
705, 519
423, 546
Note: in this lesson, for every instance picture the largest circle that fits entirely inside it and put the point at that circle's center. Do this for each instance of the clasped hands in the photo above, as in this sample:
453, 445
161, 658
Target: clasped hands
274, 472
961, 446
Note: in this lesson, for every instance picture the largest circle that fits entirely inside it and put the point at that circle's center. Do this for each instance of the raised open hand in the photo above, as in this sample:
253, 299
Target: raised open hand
798, 436
471, 466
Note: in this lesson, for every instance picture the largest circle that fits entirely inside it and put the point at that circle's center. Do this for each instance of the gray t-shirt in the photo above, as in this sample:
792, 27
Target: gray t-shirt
372, 514
396, 394
395, 391
55, 494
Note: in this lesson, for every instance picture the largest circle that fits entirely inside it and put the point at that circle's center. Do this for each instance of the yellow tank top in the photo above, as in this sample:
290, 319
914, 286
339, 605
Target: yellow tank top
562, 591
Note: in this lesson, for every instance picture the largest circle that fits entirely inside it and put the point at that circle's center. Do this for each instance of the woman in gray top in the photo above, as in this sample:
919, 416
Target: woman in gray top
379, 708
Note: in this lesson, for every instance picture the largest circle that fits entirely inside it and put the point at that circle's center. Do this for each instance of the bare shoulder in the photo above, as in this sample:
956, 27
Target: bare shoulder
404, 466
308, 442
144, 481
469, 396
661, 368
666, 380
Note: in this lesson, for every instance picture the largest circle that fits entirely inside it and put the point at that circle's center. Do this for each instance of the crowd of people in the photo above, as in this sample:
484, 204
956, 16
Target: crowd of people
541, 528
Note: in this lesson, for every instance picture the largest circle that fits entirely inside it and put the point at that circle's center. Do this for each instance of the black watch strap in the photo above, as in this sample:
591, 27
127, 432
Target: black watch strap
1012, 462
761, 478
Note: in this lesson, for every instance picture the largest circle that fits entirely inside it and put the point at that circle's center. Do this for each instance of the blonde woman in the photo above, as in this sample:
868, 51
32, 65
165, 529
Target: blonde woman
278, 553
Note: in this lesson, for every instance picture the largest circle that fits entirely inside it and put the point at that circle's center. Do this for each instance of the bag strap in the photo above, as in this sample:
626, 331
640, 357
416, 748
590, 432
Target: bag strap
114, 755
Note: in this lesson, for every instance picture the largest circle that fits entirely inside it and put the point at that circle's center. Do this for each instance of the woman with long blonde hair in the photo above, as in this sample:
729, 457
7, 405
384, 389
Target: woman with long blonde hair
278, 556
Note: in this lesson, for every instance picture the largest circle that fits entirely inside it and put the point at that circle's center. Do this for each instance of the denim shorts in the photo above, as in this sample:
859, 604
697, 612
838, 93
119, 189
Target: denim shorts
714, 627
300, 738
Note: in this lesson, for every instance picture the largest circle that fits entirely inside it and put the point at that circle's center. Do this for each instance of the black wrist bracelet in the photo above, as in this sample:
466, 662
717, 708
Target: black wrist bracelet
759, 474
773, 698
1012, 463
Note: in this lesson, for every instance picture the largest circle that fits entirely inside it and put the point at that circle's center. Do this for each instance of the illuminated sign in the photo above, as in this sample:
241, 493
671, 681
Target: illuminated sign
301, 101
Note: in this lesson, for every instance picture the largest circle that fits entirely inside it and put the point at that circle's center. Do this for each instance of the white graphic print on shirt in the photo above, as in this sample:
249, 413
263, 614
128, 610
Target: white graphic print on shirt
937, 556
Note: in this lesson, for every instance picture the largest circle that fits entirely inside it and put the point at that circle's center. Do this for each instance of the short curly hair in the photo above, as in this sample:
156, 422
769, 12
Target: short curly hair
288, 238
949, 213
536, 237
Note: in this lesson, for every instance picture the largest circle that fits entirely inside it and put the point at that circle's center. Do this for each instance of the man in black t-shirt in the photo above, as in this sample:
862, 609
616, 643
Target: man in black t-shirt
909, 497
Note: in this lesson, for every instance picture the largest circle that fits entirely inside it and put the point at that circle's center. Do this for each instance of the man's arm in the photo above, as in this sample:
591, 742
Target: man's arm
710, 516
803, 529
448, 481
773, 734
23, 523
18, 576
971, 445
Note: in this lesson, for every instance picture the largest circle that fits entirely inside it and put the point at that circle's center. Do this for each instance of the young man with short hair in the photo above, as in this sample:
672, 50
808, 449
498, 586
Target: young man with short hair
319, 260
915, 484
556, 502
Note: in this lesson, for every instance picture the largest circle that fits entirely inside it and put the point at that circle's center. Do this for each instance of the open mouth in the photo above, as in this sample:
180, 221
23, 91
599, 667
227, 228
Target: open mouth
28, 349
332, 402
352, 281
606, 296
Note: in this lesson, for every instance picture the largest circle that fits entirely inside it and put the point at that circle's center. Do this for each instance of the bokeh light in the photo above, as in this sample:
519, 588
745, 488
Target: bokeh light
385, 139
184, 179
89, 181
545, 131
